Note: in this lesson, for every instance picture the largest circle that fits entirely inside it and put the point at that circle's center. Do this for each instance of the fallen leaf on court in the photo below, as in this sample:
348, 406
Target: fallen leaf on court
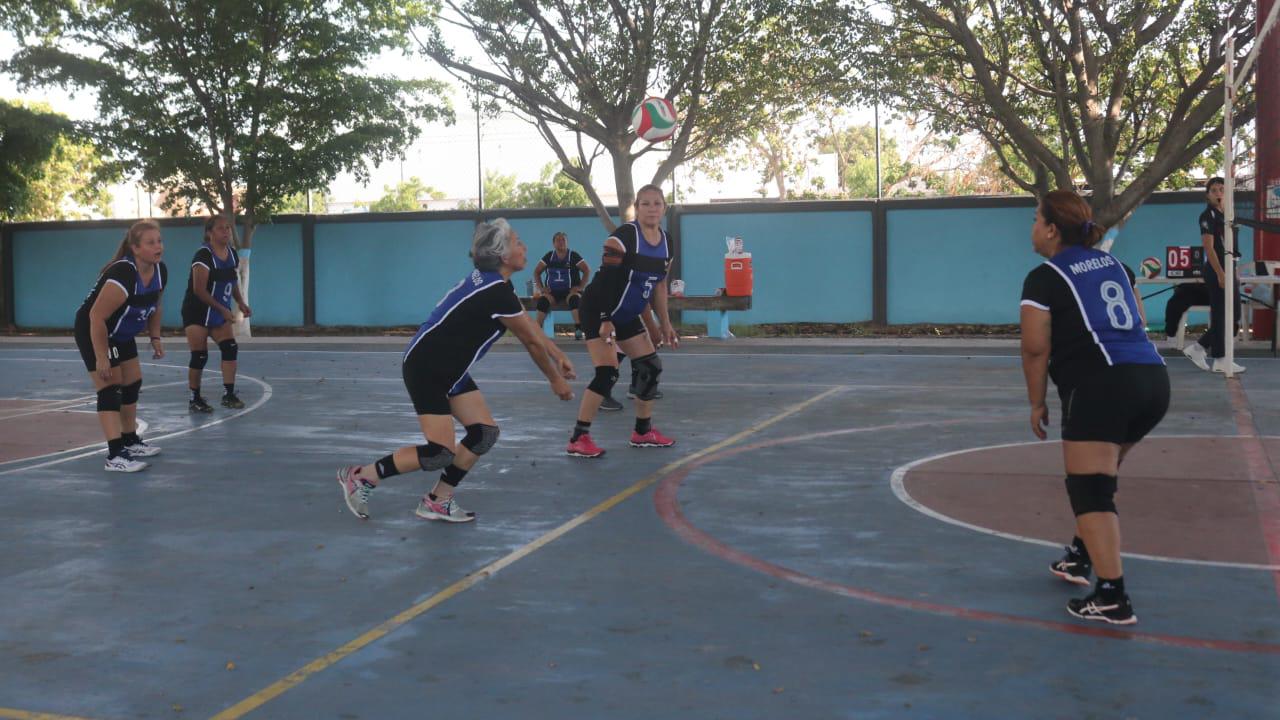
777, 691
231, 665
755, 666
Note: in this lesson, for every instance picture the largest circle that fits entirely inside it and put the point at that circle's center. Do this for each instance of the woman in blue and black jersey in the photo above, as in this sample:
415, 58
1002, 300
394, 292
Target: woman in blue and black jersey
632, 276
1082, 326
559, 277
437, 373
124, 302
206, 311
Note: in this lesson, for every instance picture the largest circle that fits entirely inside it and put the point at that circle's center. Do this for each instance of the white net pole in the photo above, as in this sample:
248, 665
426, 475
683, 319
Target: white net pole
1229, 216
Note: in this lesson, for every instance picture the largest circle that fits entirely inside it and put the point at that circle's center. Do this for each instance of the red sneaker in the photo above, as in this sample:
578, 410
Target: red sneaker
584, 447
653, 438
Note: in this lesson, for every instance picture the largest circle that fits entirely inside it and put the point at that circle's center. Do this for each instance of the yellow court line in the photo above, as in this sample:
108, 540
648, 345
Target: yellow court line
296, 677
12, 714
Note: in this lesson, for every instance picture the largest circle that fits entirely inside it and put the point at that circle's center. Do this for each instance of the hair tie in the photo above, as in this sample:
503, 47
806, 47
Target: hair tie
1087, 227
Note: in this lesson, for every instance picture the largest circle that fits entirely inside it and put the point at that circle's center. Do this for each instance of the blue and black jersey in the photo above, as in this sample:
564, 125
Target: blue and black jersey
220, 285
625, 289
141, 298
562, 273
465, 324
1213, 222
1094, 314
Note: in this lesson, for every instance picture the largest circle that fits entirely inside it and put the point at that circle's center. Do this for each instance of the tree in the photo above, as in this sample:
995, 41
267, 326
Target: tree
581, 66
297, 203
855, 151
1115, 95
405, 196
72, 185
214, 99
554, 188
28, 137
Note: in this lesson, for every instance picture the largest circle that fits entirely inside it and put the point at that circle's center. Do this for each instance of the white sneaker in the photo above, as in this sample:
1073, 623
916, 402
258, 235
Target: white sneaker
124, 463
449, 511
1220, 366
1195, 352
141, 449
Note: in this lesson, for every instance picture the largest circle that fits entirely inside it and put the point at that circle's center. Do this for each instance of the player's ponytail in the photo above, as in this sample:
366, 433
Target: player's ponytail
1072, 216
132, 238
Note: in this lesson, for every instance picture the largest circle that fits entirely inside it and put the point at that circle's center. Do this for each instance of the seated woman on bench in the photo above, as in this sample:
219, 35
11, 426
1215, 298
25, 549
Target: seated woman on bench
559, 277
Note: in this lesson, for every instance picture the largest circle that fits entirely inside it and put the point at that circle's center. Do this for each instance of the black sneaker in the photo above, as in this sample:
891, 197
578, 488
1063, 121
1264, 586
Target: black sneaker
231, 401
199, 405
610, 404
1092, 607
1073, 567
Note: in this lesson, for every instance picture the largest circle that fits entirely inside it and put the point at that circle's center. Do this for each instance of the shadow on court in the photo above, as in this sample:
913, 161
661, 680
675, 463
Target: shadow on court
844, 531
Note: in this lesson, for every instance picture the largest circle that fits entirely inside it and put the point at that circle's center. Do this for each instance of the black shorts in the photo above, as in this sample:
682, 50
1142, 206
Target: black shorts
558, 297
592, 316
117, 350
1119, 404
430, 389
200, 314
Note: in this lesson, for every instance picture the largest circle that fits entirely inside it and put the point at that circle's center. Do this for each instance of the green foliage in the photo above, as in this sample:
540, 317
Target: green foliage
1114, 96
409, 195
29, 136
581, 66
239, 105
855, 151
72, 184
553, 189
297, 203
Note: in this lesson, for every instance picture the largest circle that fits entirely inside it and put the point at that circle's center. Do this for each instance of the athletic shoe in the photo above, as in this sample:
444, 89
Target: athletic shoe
199, 405
1195, 352
1093, 608
141, 449
657, 395
653, 438
1220, 366
448, 511
231, 401
354, 491
610, 404
124, 463
584, 447
1073, 568
577, 334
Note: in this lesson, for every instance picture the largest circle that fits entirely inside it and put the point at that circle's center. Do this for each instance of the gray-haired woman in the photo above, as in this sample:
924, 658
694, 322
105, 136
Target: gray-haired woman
436, 369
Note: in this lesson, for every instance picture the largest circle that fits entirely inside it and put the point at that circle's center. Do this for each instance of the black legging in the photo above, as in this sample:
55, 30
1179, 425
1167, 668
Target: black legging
1184, 296
1213, 339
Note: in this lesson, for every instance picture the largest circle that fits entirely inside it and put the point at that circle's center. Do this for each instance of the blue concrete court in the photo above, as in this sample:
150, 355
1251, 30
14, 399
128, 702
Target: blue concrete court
765, 567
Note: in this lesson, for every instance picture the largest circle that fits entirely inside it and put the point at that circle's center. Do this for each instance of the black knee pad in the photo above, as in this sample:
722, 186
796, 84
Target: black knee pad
480, 438
229, 350
543, 305
644, 376
109, 399
198, 360
574, 302
606, 377
1091, 493
434, 456
129, 393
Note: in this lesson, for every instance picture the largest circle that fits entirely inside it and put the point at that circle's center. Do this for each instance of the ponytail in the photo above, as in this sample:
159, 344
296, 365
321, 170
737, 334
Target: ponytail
1073, 218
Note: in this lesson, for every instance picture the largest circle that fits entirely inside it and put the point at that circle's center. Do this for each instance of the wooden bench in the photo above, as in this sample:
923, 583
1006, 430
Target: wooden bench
717, 307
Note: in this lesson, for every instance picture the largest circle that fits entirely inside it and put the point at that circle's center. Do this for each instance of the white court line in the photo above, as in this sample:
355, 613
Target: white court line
896, 481
71, 403
97, 447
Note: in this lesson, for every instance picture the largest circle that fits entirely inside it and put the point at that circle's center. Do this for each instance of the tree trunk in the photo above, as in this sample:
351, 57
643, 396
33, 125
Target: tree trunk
242, 326
622, 180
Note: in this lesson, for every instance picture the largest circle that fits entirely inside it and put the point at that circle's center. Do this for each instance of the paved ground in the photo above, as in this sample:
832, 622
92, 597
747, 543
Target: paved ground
823, 542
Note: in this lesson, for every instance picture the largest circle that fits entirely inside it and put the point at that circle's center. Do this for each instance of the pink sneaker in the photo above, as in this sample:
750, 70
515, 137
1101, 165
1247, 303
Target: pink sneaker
653, 438
584, 447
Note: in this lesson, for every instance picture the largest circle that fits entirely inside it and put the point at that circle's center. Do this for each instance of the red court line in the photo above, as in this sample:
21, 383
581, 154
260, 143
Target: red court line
666, 501
1262, 476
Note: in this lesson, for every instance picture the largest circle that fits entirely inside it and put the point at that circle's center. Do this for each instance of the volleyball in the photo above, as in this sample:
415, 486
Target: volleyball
654, 119
1151, 267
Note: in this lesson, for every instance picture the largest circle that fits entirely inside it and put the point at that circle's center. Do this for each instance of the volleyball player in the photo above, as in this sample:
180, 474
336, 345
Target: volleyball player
1082, 326
559, 277
206, 311
636, 259
436, 368
124, 301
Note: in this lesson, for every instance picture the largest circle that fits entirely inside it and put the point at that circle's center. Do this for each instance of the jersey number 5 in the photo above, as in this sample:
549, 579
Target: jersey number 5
1117, 308
648, 287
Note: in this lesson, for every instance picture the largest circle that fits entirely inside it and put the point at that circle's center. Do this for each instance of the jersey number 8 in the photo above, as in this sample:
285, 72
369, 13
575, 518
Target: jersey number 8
1117, 308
